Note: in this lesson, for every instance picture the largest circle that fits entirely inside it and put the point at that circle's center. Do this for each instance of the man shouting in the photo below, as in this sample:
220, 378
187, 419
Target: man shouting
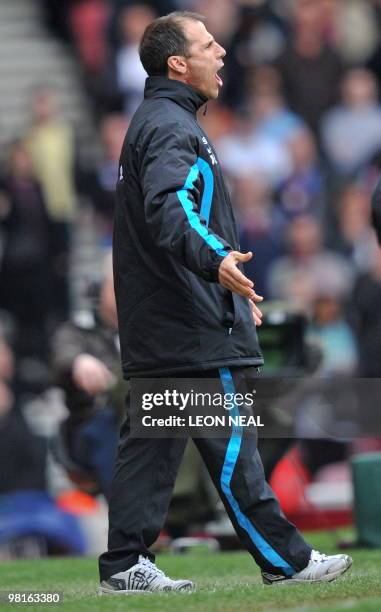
186, 309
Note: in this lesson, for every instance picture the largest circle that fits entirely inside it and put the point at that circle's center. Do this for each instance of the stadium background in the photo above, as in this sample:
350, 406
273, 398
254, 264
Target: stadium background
298, 132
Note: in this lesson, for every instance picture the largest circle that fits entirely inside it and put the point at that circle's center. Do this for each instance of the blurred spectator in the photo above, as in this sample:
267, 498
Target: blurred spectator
307, 268
354, 237
365, 309
258, 38
88, 21
351, 132
245, 150
28, 250
303, 192
374, 61
310, 68
271, 116
51, 146
333, 334
87, 365
350, 26
57, 17
257, 232
50, 143
221, 16
130, 74
30, 523
101, 186
160, 7
22, 454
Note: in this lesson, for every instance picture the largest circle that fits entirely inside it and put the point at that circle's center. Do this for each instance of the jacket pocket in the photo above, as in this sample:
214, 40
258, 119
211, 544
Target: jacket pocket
231, 314
238, 307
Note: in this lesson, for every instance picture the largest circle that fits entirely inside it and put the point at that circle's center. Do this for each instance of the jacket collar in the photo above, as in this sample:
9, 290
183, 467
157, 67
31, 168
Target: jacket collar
179, 92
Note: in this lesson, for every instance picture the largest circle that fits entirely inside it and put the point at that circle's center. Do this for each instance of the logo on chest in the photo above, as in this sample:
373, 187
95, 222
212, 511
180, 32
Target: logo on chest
213, 158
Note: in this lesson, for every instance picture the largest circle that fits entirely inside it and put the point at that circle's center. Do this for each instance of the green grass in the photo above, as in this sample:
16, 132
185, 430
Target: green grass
226, 582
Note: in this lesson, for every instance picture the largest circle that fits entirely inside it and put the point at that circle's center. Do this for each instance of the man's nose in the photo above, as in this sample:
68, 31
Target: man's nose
220, 51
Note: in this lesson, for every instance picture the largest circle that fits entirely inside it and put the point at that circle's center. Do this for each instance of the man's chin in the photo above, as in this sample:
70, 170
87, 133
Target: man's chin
213, 95
210, 94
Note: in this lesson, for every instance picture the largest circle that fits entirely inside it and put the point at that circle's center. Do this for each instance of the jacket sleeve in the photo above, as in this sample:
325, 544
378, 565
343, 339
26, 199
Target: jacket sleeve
173, 194
376, 210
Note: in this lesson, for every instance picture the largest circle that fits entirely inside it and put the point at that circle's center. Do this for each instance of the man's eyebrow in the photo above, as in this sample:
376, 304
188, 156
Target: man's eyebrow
210, 41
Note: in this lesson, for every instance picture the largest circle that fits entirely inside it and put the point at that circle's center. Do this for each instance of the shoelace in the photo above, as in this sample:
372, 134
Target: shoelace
152, 567
317, 557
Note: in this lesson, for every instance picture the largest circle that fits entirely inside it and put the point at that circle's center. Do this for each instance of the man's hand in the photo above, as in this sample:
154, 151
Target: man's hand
91, 375
257, 315
230, 277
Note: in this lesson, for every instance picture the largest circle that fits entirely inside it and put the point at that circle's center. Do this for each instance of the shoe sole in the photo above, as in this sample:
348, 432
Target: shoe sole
102, 591
326, 578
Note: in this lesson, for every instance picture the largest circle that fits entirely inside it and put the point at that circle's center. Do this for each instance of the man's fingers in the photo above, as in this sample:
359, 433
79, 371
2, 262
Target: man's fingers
235, 275
257, 314
243, 257
237, 287
257, 318
241, 278
231, 277
256, 310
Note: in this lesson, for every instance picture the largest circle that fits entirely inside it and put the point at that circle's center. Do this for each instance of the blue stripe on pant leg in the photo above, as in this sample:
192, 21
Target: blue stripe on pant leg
231, 457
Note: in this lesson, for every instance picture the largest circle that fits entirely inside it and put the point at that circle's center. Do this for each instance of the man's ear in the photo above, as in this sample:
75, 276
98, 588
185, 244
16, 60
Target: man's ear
177, 64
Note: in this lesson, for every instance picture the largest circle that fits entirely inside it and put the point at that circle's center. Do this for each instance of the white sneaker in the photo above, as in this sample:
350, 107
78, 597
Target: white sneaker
320, 568
144, 578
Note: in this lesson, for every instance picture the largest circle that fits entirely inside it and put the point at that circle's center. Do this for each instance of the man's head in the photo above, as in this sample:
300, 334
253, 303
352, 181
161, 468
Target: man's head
359, 88
44, 104
180, 47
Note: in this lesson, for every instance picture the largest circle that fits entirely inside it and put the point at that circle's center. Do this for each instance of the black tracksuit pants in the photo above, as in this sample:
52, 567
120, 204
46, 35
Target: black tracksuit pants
144, 478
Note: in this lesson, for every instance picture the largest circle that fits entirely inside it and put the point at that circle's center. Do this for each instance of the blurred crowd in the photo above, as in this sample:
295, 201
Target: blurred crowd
298, 132
297, 129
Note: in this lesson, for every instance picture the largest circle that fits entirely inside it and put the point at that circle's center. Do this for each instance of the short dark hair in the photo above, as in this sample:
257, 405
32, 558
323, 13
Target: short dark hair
165, 37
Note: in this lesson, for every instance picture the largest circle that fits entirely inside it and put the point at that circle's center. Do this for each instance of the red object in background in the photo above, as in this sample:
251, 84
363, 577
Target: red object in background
76, 502
289, 481
88, 22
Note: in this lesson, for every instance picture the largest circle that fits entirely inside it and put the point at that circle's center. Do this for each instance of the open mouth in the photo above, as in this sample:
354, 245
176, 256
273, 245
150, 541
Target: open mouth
218, 79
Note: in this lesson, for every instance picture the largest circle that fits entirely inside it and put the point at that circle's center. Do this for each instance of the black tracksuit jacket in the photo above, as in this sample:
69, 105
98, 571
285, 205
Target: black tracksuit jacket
173, 226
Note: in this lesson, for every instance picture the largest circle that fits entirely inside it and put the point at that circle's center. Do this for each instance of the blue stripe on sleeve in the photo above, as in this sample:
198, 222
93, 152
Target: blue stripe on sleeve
207, 196
187, 205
